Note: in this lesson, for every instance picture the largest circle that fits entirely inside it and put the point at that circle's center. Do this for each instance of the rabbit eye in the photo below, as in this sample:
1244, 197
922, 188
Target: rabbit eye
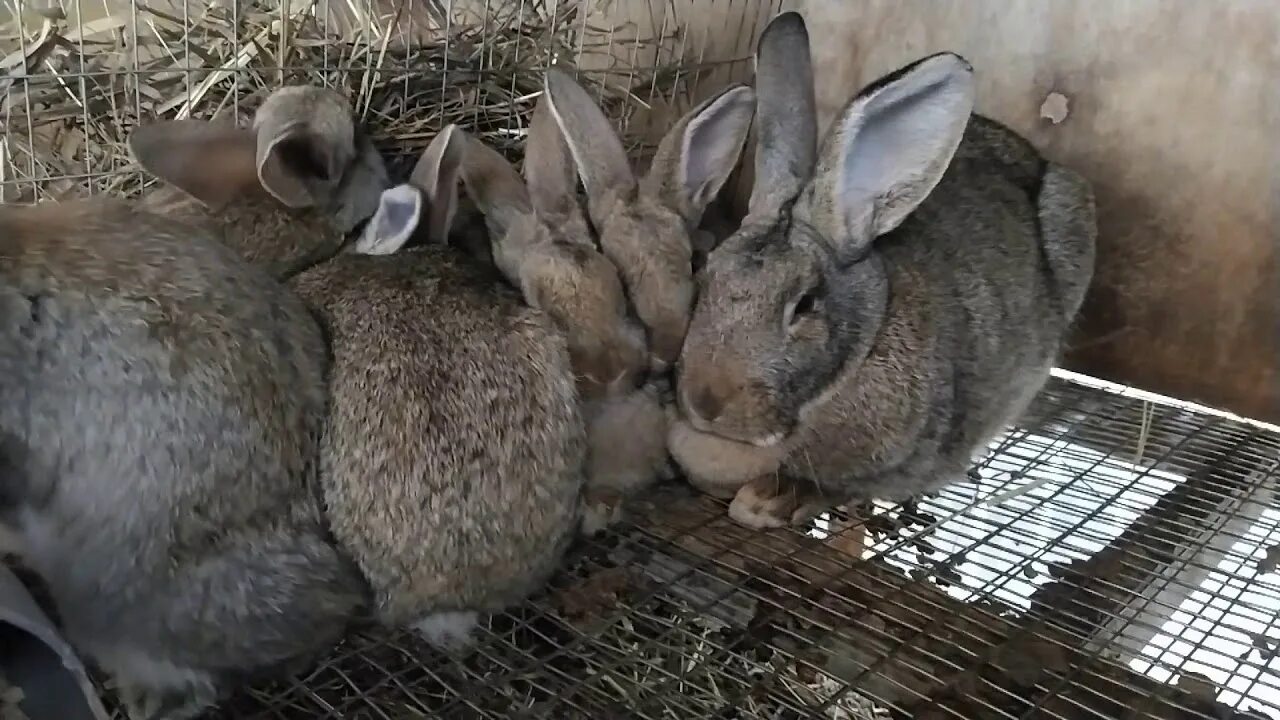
806, 306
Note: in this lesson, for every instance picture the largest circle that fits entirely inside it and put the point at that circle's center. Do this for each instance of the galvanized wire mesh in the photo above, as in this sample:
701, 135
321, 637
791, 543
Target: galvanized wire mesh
1105, 547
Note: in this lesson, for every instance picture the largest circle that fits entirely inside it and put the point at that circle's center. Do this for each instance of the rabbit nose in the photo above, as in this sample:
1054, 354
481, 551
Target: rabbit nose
704, 404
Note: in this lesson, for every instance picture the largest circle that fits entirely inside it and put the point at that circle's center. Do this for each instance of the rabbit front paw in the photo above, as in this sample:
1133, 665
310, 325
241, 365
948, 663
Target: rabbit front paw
774, 502
449, 632
601, 508
151, 704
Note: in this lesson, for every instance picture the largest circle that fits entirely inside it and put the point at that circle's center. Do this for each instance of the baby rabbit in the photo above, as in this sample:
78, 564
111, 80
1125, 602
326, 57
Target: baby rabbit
645, 225
161, 405
544, 246
452, 462
890, 301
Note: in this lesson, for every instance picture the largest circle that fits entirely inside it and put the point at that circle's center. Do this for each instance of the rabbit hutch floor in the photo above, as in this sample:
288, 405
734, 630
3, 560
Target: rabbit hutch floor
1112, 556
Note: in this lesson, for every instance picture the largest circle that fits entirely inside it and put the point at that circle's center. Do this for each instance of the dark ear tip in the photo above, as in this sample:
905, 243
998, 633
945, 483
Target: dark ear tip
555, 77
786, 27
955, 62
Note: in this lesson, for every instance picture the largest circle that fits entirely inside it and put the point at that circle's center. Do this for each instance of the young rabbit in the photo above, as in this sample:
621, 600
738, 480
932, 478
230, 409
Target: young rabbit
889, 303
543, 245
645, 225
452, 462
161, 405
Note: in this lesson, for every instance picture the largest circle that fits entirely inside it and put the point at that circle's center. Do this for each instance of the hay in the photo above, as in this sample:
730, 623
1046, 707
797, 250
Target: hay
76, 88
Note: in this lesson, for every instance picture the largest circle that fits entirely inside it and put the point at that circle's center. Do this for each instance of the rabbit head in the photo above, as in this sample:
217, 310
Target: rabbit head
302, 159
543, 245
797, 295
645, 224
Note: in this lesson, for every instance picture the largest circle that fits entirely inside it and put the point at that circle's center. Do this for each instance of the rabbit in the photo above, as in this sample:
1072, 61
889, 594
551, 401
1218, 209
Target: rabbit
890, 301
162, 399
646, 225
452, 464
543, 246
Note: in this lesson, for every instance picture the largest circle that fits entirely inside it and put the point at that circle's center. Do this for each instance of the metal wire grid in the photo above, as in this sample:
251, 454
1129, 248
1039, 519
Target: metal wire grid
964, 606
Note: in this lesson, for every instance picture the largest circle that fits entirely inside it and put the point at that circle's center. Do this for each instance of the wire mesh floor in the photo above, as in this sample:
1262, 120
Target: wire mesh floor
1108, 558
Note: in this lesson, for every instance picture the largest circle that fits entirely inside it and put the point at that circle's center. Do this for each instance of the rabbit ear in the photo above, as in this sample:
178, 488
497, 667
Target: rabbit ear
496, 188
210, 161
393, 223
596, 149
437, 174
888, 149
548, 167
306, 140
291, 159
786, 115
695, 158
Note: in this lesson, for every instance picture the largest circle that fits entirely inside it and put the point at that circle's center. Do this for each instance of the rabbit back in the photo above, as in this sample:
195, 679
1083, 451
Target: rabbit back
161, 404
452, 466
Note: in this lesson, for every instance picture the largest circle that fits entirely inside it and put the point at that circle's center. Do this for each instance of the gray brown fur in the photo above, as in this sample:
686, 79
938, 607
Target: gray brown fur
645, 224
924, 342
161, 406
452, 465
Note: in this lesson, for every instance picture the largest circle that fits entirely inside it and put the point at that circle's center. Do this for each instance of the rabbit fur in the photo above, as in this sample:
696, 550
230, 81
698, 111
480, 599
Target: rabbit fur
545, 247
162, 400
891, 301
452, 463
645, 224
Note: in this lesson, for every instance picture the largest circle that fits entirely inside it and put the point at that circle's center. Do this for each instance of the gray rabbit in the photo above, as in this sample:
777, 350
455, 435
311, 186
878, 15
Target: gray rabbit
452, 465
162, 400
891, 301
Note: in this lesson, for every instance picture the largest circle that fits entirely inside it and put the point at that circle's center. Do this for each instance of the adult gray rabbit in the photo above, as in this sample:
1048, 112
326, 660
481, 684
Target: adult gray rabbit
162, 401
452, 465
892, 300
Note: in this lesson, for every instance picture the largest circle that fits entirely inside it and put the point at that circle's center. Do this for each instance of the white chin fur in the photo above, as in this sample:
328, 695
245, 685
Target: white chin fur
448, 631
714, 462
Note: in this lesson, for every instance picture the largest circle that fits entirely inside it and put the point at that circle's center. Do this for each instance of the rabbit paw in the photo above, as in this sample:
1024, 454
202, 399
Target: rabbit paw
448, 631
601, 508
771, 502
151, 704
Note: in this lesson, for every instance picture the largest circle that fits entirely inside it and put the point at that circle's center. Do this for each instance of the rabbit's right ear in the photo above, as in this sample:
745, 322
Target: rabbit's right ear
596, 148
399, 211
211, 161
437, 174
786, 115
695, 158
887, 150
496, 187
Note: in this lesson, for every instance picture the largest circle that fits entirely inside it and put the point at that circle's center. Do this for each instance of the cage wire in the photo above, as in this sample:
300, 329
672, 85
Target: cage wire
1113, 555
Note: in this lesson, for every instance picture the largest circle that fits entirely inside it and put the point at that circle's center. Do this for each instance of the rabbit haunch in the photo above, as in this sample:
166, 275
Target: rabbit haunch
896, 295
162, 401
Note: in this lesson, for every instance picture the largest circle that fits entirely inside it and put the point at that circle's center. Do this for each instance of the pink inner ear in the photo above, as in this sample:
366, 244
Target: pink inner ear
280, 175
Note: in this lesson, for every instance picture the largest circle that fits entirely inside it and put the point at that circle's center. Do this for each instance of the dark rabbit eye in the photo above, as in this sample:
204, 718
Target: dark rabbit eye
807, 306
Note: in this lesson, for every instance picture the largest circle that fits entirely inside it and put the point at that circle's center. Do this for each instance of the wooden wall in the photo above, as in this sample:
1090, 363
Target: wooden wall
1174, 114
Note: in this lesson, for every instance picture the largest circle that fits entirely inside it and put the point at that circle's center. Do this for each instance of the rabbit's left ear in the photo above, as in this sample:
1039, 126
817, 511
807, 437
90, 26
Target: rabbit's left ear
695, 158
887, 150
212, 162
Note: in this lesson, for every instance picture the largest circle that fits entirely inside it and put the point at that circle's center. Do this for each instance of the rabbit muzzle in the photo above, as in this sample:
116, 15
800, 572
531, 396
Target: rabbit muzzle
719, 402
